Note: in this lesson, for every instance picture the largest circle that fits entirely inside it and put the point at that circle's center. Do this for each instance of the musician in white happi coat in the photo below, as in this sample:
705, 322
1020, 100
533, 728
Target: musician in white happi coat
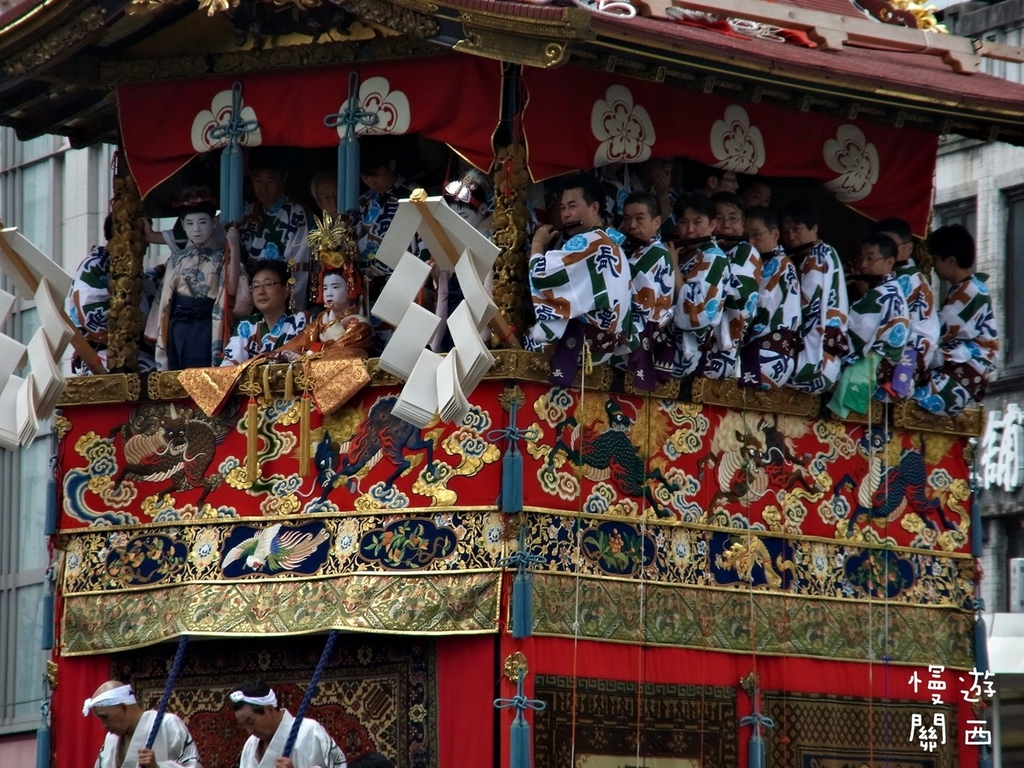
128, 728
256, 710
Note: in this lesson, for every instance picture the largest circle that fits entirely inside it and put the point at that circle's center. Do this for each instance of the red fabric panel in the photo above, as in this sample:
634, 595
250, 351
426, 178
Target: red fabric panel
610, 661
75, 739
878, 170
465, 693
163, 124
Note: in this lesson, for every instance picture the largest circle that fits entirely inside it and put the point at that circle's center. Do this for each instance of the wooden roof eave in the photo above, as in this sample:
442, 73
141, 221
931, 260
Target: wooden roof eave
761, 78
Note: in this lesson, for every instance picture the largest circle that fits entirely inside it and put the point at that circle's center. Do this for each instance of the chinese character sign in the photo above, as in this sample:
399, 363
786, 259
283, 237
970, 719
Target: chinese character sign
1002, 449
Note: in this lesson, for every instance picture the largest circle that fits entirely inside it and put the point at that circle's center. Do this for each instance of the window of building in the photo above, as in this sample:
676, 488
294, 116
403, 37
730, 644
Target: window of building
1012, 329
30, 176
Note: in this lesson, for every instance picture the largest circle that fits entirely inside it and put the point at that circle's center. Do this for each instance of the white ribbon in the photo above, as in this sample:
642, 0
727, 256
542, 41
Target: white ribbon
111, 698
270, 700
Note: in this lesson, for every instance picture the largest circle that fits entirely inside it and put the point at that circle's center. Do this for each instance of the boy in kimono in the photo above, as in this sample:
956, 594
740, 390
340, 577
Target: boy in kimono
879, 323
701, 277
924, 322
582, 288
741, 291
768, 358
128, 728
653, 290
969, 341
824, 304
256, 710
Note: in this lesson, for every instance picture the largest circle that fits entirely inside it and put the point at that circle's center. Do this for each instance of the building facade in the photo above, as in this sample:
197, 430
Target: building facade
58, 197
981, 185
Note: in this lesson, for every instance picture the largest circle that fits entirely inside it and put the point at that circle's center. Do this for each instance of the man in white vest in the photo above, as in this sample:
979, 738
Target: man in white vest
256, 710
128, 728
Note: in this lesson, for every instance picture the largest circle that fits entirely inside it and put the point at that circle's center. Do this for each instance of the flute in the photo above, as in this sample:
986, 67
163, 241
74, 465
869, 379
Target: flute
567, 226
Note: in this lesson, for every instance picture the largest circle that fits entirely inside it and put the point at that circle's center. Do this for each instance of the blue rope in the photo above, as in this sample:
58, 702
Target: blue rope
310, 691
349, 118
172, 677
759, 721
231, 159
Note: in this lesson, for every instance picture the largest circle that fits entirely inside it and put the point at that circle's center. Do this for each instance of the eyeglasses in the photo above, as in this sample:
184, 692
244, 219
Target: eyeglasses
268, 284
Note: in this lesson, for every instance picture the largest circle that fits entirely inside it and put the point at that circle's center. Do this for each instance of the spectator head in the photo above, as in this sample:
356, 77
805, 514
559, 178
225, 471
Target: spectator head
761, 227
640, 216
798, 224
718, 180
270, 288
324, 188
268, 174
901, 234
377, 165
952, 249
256, 710
197, 210
581, 200
729, 212
695, 216
877, 256
757, 195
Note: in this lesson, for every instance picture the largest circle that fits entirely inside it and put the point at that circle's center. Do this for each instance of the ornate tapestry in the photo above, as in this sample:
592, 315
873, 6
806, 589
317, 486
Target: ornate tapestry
377, 693
675, 721
832, 525
845, 732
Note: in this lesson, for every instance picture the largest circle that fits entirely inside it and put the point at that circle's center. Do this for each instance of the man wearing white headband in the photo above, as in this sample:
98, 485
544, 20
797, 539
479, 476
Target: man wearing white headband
256, 710
128, 728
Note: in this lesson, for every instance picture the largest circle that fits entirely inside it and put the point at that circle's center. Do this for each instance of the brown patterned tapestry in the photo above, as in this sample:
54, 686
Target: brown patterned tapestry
378, 693
677, 721
815, 731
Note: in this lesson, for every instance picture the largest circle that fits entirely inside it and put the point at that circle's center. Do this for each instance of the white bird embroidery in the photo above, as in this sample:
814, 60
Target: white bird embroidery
275, 550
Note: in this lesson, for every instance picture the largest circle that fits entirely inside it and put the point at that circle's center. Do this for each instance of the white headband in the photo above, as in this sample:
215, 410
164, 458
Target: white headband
270, 700
111, 698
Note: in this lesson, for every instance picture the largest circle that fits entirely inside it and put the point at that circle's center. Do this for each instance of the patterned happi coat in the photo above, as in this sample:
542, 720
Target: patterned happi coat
924, 321
587, 279
768, 359
653, 293
738, 307
824, 306
968, 348
879, 323
252, 337
278, 233
699, 305
197, 273
376, 212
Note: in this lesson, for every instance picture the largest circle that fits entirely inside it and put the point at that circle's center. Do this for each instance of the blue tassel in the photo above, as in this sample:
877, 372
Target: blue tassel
235, 177
519, 743
512, 480
977, 536
984, 759
231, 157
47, 642
755, 752
522, 605
348, 147
43, 747
519, 733
50, 522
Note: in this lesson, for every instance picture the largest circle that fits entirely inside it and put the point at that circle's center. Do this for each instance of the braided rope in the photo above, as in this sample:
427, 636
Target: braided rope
172, 676
310, 692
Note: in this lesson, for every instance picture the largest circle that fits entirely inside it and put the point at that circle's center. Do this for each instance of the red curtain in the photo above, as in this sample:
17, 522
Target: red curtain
163, 125
581, 119
76, 739
465, 694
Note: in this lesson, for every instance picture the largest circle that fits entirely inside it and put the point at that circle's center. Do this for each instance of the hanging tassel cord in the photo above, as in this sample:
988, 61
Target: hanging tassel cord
347, 123
232, 132
511, 499
522, 587
314, 682
172, 677
519, 733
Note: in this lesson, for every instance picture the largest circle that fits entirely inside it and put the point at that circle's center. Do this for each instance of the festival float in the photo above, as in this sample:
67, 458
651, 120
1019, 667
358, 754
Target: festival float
512, 573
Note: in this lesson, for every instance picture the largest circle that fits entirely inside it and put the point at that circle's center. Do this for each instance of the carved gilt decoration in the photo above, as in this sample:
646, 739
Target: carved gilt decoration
62, 39
127, 247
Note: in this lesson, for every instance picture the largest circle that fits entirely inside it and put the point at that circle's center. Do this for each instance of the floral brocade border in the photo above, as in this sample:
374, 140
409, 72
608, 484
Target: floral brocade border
440, 604
747, 622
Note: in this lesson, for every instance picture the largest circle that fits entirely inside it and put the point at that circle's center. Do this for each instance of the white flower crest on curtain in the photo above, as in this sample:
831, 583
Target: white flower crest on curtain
855, 158
624, 129
735, 143
390, 107
218, 114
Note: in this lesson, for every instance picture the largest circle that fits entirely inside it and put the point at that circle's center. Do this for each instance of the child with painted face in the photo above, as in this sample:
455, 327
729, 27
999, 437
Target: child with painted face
339, 328
193, 300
